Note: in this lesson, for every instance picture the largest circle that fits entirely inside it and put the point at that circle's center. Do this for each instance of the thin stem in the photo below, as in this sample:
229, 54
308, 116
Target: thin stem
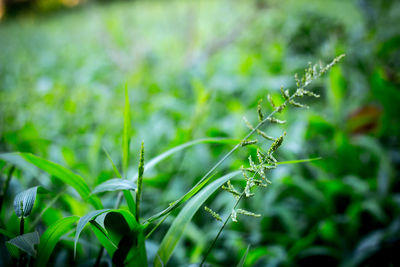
21, 225
220, 231
99, 256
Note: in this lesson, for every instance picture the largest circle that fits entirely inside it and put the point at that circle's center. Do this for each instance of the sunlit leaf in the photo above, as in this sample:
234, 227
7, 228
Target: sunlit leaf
178, 226
176, 149
115, 184
243, 259
58, 171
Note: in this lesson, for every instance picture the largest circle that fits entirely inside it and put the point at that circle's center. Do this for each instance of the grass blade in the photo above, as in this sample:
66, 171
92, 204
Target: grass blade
126, 133
62, 173
176, 149
298, 161
114, 185
6, 233
51, 236
83, 221
26, 242
243, 259
177, 228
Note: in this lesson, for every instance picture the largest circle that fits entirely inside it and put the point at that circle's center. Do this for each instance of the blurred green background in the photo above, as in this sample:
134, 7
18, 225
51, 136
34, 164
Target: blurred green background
194, 69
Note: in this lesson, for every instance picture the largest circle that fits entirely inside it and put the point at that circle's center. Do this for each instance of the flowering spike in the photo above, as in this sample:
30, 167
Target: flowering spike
263, 134
250, 142
275, 145
248, 124
271, 101
259, 111
213, 213
296, 104
234, 216
247, 213
275, 120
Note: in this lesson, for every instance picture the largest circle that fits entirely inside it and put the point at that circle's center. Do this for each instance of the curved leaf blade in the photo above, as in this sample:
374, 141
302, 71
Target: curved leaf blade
115, 184
176, 149
60, 172
26, 242
83, 221
24, 201
177, 228
51, 236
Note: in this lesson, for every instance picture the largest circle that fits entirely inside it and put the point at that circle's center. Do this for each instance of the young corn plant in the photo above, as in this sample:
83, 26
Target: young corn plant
122, 232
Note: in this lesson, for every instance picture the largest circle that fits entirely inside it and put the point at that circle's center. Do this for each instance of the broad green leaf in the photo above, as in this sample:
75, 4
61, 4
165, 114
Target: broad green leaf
82, 223
178, 226
126, 133
243, 259
51, 236
23, 202
176, 149
114, 185
26, 242
60, 172
13, 250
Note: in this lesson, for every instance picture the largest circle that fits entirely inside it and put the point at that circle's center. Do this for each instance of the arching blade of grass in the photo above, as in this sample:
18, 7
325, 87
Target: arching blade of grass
179, 148
83, 221
115, 184
183, 199
177, 228
60, 172
51, 236
126, 134
298, 161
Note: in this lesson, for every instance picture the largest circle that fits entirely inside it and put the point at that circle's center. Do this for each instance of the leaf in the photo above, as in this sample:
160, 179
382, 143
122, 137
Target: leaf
26, 242
176, 149
126, 133
114, 185
182, 200
60, 172
51, 236
83, 221
23, 202
178, 226
6, 233
103, 238
298, 161
243, 259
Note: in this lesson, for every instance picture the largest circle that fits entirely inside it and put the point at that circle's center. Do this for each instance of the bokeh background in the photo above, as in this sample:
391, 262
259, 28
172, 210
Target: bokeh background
194, 69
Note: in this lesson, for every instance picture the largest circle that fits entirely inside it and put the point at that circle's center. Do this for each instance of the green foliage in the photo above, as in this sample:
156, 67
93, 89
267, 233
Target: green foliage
63, 81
